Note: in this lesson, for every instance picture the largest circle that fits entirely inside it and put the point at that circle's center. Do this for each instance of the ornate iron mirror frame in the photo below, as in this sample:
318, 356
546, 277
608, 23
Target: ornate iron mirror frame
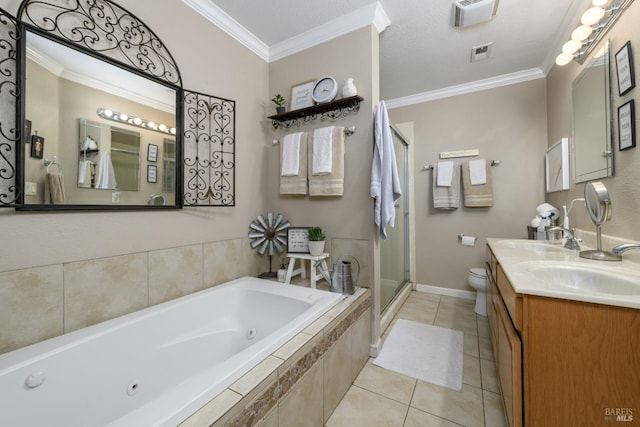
205, 127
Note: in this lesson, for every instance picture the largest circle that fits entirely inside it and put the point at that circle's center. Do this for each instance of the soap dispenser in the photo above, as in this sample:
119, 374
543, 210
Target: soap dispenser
542, 233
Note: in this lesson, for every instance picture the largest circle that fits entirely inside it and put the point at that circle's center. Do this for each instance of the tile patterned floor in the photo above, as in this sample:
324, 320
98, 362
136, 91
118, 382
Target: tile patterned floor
380, 397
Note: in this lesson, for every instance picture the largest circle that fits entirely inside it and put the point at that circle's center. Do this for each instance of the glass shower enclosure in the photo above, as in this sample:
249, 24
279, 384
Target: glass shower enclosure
394, 251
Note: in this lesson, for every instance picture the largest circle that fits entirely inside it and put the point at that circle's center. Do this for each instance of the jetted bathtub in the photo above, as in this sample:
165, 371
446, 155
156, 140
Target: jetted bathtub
157, 366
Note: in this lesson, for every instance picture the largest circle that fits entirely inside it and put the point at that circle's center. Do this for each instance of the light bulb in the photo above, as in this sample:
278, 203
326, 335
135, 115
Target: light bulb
592, 16
124, 117
571, 47
151, 125
600, 3
107, 113
137, 121
162, 127
581, 33
173, 131
564, 59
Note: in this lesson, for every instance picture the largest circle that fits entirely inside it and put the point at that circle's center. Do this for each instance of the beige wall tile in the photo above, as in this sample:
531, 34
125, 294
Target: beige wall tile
30, 306
174, 273
253, 263
360, 343
222, 261
302, 406
337, 372
98, 290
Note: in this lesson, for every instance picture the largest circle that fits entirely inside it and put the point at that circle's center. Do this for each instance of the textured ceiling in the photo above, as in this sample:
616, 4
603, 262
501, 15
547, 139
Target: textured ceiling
420, 52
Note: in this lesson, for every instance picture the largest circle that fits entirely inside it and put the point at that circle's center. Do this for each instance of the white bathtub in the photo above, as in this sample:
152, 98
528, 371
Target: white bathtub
157, 366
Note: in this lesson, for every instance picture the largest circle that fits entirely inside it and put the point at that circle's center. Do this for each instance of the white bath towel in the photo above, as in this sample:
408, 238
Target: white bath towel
385, 182
291, 155
296, 184
478, 171
330, 184
444, 173
105, 175
476, 196
447, 198
84, 174
322, 163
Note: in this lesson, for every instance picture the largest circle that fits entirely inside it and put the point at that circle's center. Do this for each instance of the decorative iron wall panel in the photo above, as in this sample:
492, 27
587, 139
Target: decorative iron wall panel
209, 150
9, 96
107, 29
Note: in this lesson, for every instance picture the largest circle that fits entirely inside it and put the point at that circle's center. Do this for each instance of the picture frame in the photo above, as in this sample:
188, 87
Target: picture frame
152, 153
624, 69
626, 125
301, 95
298, 240
37, 147
27, 131
557, 166
152, 173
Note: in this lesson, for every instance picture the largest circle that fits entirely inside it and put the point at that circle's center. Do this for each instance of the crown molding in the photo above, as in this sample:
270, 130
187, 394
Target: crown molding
230, 26
372, 14
478, 85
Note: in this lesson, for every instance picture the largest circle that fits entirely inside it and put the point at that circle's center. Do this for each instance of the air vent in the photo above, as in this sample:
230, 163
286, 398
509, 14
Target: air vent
479, 53
471, 12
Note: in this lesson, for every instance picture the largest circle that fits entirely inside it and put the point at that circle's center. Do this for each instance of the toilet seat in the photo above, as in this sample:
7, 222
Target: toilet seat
478, 272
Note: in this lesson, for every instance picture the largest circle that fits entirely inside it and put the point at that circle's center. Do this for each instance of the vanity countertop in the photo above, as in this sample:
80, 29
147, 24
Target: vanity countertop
544, 269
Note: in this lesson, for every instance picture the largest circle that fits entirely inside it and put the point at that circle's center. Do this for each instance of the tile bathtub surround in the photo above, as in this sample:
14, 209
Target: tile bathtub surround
299, 369
43, 302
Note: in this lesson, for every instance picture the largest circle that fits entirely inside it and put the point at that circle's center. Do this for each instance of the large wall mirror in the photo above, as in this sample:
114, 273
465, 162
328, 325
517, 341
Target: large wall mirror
592, 127
102, 112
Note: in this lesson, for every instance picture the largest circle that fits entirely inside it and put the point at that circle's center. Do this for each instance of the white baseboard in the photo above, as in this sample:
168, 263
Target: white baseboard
458, 293
374, 349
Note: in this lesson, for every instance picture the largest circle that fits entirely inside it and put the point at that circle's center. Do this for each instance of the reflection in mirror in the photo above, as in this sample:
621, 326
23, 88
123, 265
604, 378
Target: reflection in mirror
114, 163
592, 130
64, 88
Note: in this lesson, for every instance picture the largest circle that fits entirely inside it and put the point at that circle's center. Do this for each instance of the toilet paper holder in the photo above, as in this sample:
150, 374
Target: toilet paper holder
466, 240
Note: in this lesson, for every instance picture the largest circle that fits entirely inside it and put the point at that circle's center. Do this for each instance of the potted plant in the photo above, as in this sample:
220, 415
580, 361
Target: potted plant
316, 239
279, 101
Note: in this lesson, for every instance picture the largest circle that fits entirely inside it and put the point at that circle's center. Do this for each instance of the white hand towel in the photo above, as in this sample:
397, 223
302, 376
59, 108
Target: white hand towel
291, 155
322, 163
105, 175
478, 171
84, 174
445, 174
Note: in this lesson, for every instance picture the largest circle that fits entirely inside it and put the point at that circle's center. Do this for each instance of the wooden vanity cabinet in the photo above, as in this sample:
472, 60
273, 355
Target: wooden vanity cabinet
563, 362
503, 305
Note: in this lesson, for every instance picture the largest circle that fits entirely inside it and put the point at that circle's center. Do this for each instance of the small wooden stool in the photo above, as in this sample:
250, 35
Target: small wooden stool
314, 273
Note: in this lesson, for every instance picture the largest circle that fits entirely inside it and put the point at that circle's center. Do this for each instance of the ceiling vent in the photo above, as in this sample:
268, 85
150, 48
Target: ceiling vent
471, 12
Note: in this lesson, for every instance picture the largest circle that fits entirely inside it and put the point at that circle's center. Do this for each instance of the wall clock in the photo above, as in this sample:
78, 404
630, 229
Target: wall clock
325, 90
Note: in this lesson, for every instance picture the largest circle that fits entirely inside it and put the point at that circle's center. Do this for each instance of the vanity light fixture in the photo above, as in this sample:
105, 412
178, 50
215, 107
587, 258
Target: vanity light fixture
594, 24
108, 114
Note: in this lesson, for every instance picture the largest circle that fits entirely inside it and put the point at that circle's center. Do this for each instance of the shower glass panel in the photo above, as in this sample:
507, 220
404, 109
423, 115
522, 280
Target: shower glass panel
394, 251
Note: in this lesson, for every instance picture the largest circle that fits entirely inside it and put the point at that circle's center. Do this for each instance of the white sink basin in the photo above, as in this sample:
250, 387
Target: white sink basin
580, 277
531, 245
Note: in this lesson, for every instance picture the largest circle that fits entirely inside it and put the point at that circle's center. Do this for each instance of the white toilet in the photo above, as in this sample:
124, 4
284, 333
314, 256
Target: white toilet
478, 280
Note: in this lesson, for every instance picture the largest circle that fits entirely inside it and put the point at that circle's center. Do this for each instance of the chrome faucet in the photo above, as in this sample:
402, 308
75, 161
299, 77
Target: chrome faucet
572, 241
620, 249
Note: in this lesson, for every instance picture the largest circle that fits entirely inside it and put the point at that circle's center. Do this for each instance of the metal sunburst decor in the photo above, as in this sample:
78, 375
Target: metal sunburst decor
269, 235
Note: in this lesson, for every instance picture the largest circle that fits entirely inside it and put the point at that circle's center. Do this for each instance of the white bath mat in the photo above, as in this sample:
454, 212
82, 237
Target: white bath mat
428, 353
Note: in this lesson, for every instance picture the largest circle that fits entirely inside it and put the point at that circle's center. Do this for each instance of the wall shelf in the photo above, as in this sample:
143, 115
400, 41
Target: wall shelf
330, 110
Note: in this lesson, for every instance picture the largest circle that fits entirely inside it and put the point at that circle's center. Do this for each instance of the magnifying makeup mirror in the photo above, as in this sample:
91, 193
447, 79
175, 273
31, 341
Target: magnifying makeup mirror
598, 204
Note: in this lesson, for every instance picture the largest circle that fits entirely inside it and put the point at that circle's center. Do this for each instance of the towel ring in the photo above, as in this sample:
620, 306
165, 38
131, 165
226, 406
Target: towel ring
54, 161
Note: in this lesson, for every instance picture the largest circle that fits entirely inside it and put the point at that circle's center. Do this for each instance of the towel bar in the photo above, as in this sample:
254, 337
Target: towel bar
348, 131
493, 163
